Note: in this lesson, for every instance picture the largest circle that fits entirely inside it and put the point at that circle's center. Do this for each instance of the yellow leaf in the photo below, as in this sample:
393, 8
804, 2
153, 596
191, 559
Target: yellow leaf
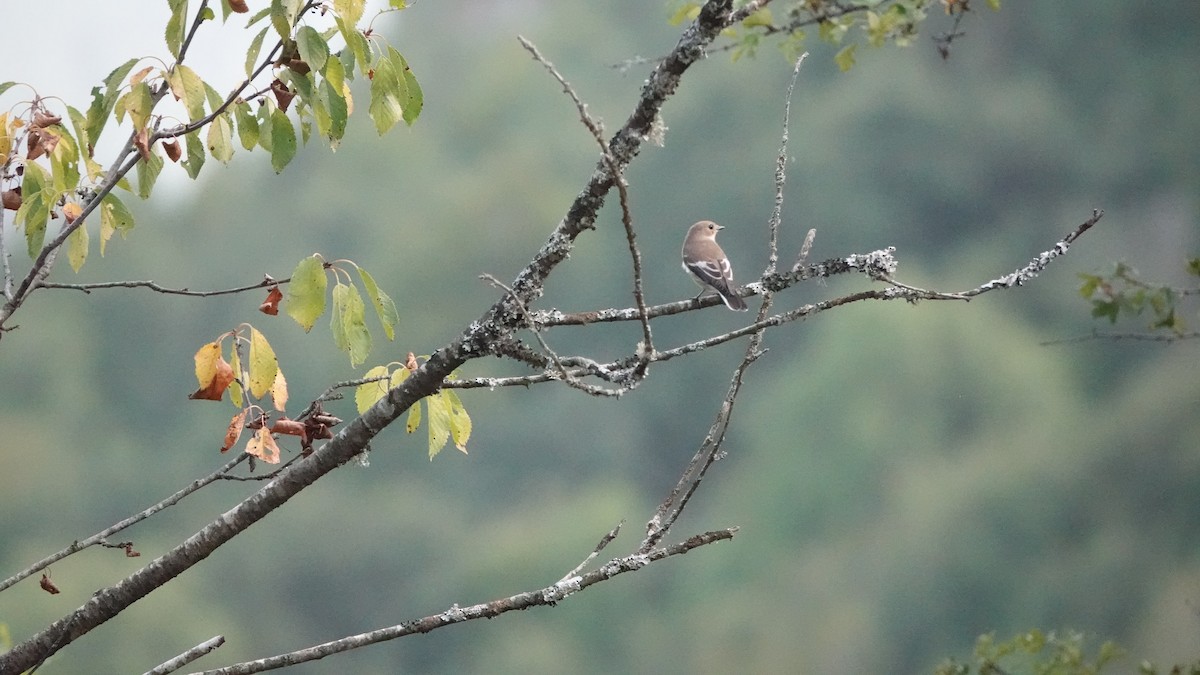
263, 364
263, 446
365, 395
235, 364
279, 391
77, 243
438, 410
206, 362
460, 421
5, 137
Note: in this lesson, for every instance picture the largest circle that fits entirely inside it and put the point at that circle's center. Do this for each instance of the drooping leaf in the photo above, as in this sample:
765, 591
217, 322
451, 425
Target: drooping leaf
385, 309
263, 365
252, 52
213, 374
187, 86
270, 306
195, 155
388, 90
348, 322
283, 141
247, 125
306, 292
313, 49
137, 103
845, 58
279, 391
262, 445
414, 98
235, 363
103, 103
350, 11
35, 206
176, 25
283, 15
438, 420
114, 217
77, 245
234, 431
460, 421
337, 108
220, 139
365, 395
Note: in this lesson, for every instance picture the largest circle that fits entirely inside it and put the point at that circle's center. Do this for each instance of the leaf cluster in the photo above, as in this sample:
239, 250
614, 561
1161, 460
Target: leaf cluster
1124, 293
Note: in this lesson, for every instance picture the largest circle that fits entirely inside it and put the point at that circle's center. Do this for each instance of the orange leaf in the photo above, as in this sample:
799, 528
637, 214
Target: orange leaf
234, 432
71, 211
263, 446
271, 304
213, 373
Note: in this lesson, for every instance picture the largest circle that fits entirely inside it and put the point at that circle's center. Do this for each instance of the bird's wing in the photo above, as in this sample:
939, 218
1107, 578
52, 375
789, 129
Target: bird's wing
717, 274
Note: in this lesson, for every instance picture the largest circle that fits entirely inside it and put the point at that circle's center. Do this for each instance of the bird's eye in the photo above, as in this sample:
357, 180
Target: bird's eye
710, 226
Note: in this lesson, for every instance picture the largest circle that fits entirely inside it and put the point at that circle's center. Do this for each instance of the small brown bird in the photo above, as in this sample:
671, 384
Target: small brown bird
708, 265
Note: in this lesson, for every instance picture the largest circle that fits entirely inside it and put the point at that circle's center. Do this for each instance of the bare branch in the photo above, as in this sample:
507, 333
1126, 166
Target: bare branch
1165, 338
89, 287
603, 543
187, 657
101, 537
548, 596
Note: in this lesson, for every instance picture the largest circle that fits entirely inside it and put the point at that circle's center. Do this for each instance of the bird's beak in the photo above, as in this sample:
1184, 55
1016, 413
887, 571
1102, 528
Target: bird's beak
720, 227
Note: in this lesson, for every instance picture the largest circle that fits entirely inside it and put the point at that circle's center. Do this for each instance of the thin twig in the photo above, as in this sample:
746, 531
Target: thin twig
101, 536
548, 596
603, 543
187, 657
89, 287
1165, 338
597, 131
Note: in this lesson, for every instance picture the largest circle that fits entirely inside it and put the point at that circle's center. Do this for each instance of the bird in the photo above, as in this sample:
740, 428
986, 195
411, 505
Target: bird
708, 264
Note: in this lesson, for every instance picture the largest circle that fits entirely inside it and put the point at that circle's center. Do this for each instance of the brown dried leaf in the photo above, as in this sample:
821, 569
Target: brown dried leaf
141, 140
238, 6
11, 198
42, 119
271, 304
289, 427
411, 362
282, 96
234, 432
48, 585
299, 66
173, 150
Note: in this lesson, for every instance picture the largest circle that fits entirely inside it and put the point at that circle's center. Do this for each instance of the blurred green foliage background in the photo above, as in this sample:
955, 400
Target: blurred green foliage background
905, 477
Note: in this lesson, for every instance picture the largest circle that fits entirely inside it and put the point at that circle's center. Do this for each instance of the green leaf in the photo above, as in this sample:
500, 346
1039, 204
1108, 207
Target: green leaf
206, 14
460, 421
438, 410
5, 86
1091, 282
220, 139
365, 395
215, 99
335, 74
414, 99
258, 16
187, 86
1193, 267
845, 58
36, 198
235, 387
761, 17
306, 292
247, 125
264, 125
195, 155
283, 16
994, 5
176, 26
102, 103
385, 309
1105, 308
349, 323
283, 141
388, 89
64, 160
77, 247
138, 103
114, 217
263, 364
255, 48
313, 49
350, 11
79, 125
336, 109
357, 44
398, 4
686, 12
147, 173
